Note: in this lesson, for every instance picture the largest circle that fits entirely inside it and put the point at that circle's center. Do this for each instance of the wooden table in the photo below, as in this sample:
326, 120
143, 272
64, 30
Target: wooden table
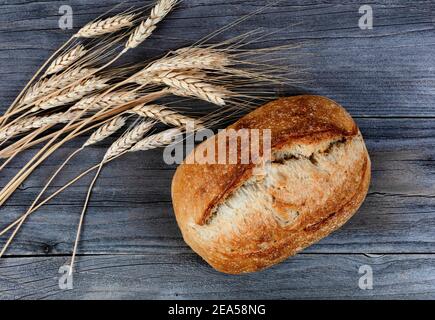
131, 246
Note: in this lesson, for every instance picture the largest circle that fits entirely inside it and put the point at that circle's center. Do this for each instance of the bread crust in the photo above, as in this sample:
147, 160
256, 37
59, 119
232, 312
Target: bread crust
259, 236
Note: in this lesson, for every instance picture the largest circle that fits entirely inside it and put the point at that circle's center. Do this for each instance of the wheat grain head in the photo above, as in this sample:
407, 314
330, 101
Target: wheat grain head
105, 26
128, 140
192, 84
73, 94
164, 115
192, 58
157, 140
146, 28
31, 123
99, 102
105, 131
66, 60
50, 85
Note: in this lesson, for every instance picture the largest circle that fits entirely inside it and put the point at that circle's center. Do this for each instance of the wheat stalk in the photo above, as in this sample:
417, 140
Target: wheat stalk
49, 85
184, 59
105, 26
114, 24
105, 131
146, 28
164, 115
178, 72
191, 58
190, 83
28, 124
66, 60
120, 146
128, 140
18, 146
51, 146
73, 94
157, 140
113, 99
100, 134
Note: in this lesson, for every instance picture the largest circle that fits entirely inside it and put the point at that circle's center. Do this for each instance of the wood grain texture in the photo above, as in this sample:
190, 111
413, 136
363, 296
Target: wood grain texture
398, 216
131, 246
185, 276
377, 72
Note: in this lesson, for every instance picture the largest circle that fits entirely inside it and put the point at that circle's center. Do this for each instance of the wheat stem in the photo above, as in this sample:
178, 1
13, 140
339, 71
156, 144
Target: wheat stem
82, 218
99, 135
102, 133
25, 141
16, 222
118, 148
154, 141
52, 196
24, 217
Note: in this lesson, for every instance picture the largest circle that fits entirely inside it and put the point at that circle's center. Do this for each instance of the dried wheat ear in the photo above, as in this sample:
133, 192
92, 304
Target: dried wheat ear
164, 115
157, 140
106, 26
31, 123
73, 94
128, 140
97, 102
146, 28
50, 85
105, 131
66, 60
79, 92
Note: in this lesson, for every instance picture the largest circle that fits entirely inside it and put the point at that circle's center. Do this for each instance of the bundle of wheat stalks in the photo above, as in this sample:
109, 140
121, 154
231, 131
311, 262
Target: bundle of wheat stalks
79, 91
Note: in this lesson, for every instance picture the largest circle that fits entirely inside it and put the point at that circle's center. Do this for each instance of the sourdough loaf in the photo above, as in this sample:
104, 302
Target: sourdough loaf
318, 177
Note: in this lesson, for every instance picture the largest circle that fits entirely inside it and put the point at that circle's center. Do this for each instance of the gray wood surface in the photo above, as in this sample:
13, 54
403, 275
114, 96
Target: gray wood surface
131, 246
185, 276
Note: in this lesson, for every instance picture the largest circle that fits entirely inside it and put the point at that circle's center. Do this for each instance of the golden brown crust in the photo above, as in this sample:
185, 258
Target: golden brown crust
235, 244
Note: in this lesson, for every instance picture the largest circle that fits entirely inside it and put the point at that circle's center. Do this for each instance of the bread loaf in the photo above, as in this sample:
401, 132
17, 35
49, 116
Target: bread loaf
318, 177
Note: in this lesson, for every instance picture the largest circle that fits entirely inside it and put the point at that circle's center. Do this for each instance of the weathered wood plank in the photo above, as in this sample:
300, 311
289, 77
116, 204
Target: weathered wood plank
185, 276
387, 71
131, 209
